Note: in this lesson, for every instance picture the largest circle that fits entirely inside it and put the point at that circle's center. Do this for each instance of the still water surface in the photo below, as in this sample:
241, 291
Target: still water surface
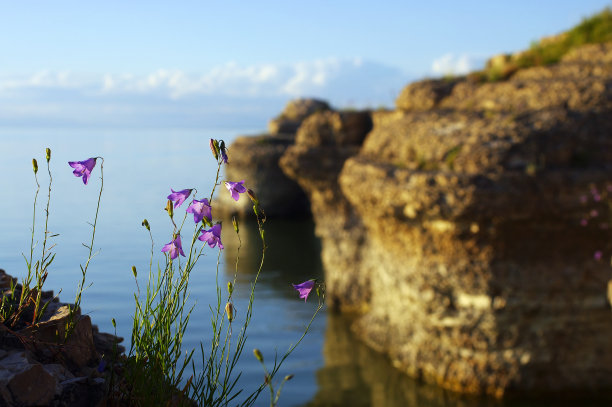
331, 368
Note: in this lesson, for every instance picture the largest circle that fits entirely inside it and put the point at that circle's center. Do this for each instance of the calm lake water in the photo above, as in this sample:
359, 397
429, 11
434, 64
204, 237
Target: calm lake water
331, 368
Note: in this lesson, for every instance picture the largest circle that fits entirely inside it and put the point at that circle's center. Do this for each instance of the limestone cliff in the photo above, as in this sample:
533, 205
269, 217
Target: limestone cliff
454, 229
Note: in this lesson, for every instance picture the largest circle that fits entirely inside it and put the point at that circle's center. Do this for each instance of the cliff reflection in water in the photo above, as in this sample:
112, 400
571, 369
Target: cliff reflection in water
293, 251
355, 375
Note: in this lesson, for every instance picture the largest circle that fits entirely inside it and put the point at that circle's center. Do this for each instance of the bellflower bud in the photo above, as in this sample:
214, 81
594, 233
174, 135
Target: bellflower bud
214, 147
169, 208
230, 287
288, 377
229, 310
145, 223
258, 355
235, 223
114, 323
48, 154
134, 271
35, 165
223, 151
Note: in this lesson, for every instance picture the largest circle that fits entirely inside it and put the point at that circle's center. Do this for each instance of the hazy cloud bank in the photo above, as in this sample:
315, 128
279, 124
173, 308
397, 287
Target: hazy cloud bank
222, 96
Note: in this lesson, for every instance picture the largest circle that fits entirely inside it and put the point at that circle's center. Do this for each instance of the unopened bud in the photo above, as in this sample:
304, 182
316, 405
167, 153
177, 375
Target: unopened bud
262, 233
114, 323
134, 271
230, 287
229, 310
223, 151
214, 147
169, 208
48, 154
252, 195
258, 355
235, 223
145, 223
256, 209
35, 165
288, 377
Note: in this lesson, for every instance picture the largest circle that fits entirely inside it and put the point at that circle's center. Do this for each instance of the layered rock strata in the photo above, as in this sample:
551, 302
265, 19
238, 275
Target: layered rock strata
454, 230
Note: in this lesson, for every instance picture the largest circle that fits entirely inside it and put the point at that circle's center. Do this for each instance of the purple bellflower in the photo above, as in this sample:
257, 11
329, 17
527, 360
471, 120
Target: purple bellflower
200, 209
305, 288
83, 168
178, 197
212, 236
174, 248
235, 188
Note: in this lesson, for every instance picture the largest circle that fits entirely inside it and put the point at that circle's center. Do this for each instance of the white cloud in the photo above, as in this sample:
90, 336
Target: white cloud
451, 64
223, 88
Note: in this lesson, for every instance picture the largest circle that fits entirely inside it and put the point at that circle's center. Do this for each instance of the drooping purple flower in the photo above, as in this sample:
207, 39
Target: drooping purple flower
597, 255
584, 222
305, 288
212, 236
235, 188
174, 248
178, 197
200, 209
83, 168
101, 366
594, 213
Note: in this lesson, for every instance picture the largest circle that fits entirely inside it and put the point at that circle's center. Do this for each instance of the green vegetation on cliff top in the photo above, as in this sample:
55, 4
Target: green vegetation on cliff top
592, 30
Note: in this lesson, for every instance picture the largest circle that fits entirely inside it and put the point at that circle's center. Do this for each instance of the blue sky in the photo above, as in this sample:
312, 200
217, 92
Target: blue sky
208, 64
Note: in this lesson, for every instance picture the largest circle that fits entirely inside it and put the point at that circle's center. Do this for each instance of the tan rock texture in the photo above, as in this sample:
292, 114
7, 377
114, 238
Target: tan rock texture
453, 230
294, 114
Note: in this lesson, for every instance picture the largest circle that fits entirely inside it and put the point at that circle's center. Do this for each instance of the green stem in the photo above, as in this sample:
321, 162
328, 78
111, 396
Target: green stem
80, 289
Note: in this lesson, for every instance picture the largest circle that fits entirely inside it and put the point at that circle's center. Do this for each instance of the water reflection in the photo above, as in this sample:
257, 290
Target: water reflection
293, 252
355, 375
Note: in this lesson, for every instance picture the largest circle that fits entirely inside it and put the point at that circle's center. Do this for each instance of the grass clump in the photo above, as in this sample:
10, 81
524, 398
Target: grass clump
596, 29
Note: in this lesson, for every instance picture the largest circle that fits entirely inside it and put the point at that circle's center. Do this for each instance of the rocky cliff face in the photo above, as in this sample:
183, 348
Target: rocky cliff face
454, 229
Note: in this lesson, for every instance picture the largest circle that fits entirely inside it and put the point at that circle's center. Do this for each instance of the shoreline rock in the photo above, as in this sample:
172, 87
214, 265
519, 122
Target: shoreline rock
38, 368
453, 230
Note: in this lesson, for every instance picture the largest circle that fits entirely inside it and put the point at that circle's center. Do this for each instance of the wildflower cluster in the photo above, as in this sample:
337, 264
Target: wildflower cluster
152, 372
162, 316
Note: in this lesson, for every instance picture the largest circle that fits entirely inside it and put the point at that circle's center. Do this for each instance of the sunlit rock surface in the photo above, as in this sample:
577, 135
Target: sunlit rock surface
454, 230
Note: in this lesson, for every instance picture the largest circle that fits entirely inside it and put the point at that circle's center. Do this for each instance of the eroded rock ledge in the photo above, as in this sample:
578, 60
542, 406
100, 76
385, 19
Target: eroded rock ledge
453, 230
39, 368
